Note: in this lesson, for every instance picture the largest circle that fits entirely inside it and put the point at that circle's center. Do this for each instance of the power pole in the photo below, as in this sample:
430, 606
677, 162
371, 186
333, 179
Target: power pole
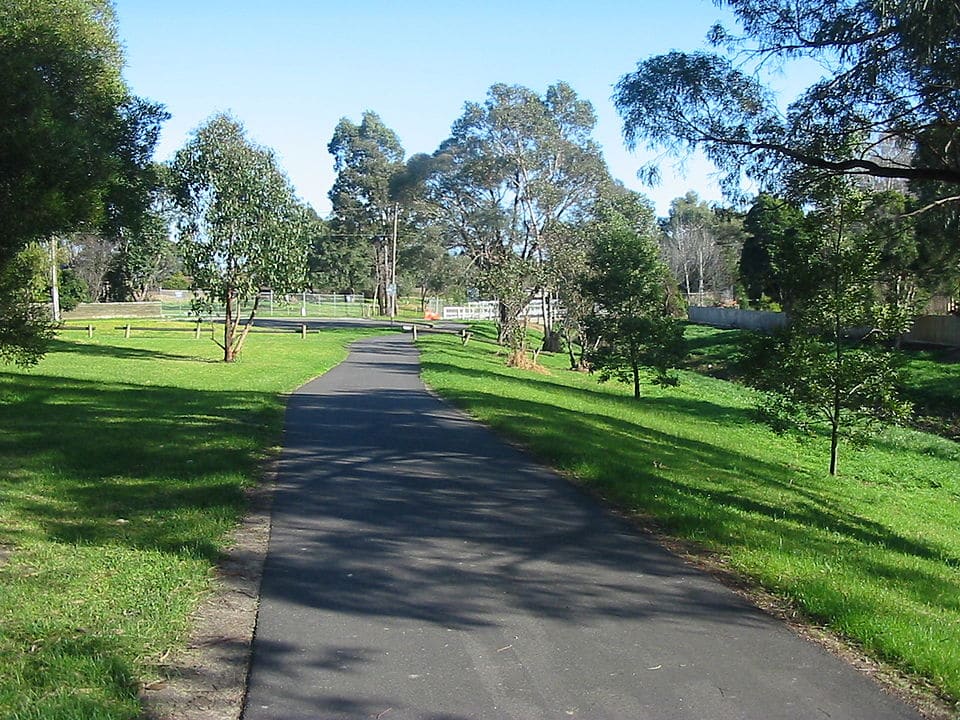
393, 261
54, 281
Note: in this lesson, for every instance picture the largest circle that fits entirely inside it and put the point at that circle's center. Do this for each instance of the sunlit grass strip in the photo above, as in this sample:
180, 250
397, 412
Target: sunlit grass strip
874, 553
122, 467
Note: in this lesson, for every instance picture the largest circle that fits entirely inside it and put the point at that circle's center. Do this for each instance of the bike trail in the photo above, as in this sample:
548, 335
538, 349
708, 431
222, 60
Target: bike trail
421, 569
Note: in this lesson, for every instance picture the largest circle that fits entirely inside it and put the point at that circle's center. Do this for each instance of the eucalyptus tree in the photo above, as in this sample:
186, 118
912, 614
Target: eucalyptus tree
335, 263
240, 227
567, 271
367, 158
144, 251
75, 143
886, 106
515, 168
432, 269
143, 258
92, 256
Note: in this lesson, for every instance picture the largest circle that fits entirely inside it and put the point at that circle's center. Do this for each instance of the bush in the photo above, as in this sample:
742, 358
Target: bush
73, 290
177, 281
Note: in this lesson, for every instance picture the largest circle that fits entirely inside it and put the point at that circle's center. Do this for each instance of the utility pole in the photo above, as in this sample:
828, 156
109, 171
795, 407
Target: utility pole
54, 282
393, 261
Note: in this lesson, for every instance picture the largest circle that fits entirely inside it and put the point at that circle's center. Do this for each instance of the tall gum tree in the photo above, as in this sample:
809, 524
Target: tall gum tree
515, 168
75, 144
887, 105
240, 227
367, 158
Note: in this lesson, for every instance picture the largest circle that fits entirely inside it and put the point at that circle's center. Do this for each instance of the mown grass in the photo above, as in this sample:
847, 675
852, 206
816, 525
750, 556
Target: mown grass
931, 378
122, 466
874, 553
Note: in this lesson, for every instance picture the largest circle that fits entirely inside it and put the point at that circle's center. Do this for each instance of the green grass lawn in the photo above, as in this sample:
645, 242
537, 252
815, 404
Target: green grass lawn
874, 553
931, 378
122, 466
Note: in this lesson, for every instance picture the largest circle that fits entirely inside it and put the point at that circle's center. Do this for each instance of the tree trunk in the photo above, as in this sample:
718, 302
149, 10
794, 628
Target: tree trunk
838, 357
228, 327
834, 446
700, 274
571, 354
382, 273
552, 342
551, 338
636, 381
503, 324
54, 280
238, 342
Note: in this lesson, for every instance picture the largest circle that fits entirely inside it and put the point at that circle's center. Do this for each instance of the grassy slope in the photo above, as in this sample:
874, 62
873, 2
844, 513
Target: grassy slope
874, 553
122, 464
931, 377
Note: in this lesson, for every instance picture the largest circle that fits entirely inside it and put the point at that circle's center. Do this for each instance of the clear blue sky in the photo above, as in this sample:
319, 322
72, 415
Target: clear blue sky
289, 69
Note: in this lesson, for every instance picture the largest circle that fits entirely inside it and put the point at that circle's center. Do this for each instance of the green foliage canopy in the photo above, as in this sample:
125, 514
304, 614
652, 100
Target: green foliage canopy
145, 253
240, 225
516, 168
888, 105
24, 323
75, 145
630, 289
768, 225
367, 158
831, 364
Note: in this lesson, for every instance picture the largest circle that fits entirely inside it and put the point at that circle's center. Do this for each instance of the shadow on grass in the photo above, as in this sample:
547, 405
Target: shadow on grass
715, 352
934, 386
78, 675
390, 505
497, 372
124, 353
695, 489
148, 466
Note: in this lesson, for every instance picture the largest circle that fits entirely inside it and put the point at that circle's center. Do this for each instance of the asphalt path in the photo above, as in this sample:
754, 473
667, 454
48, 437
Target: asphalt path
421, 568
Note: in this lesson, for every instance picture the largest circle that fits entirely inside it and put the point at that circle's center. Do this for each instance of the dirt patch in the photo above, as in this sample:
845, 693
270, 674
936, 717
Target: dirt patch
520, 359
6, 552
208, 679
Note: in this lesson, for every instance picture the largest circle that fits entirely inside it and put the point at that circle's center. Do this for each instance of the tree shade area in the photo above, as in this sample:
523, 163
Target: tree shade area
123, 466
870, 554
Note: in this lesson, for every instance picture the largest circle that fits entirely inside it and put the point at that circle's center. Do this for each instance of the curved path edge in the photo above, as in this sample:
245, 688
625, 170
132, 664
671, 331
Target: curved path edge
208, 680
